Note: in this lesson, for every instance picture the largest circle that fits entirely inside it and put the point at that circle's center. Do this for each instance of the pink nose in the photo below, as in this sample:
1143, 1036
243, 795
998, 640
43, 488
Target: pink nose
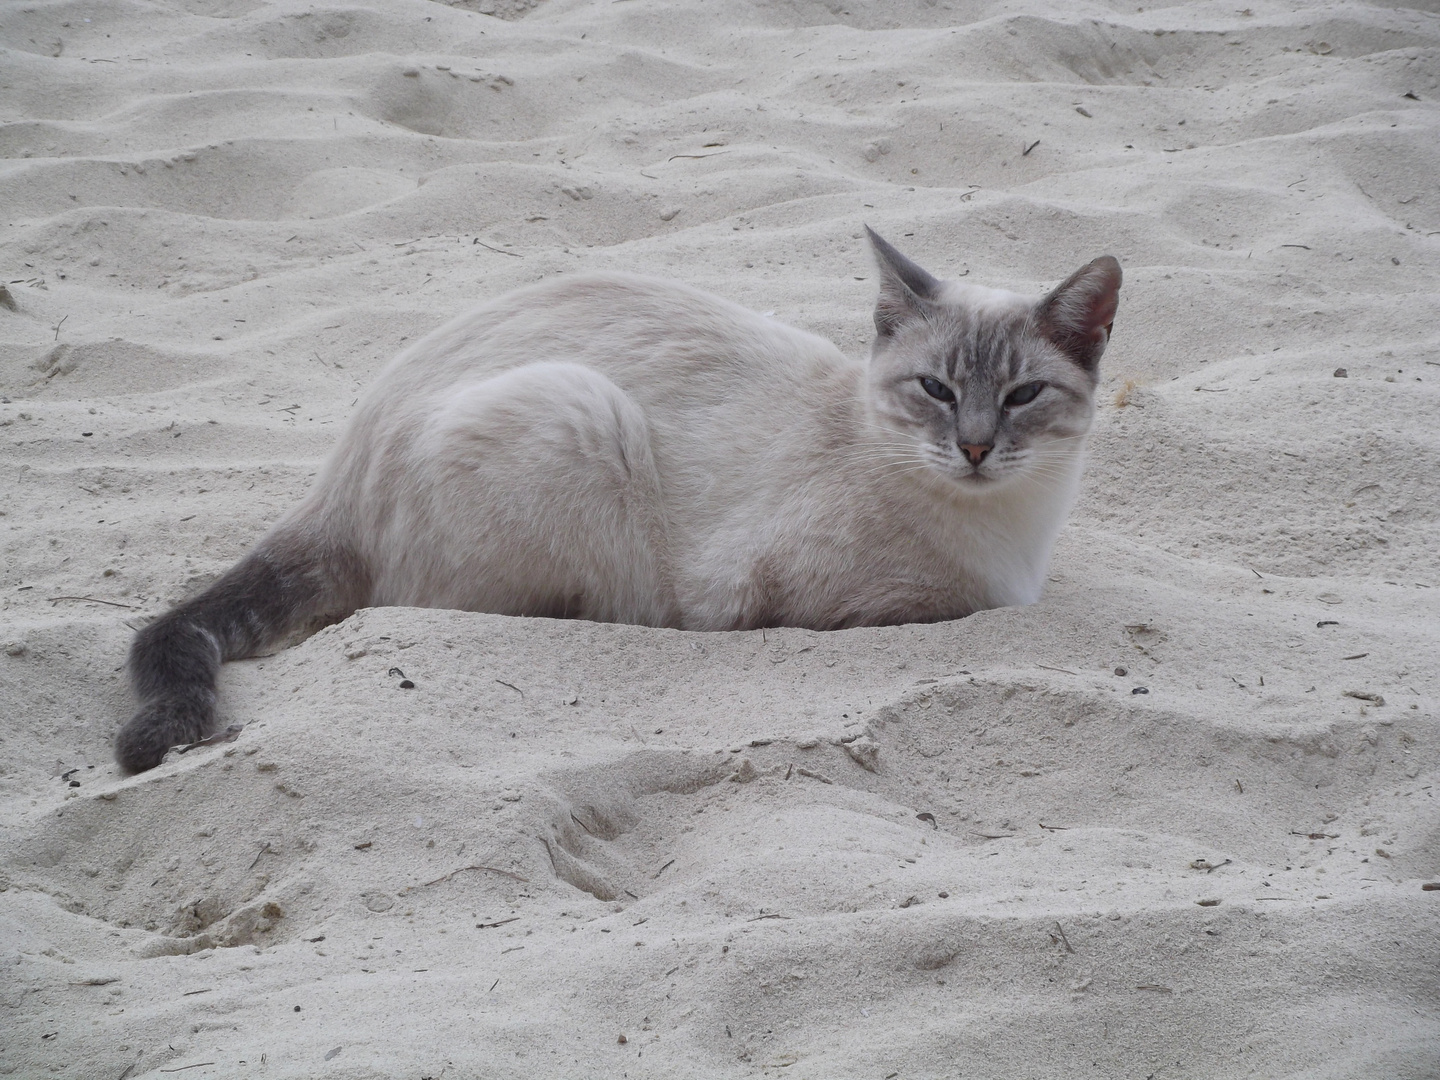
974, 452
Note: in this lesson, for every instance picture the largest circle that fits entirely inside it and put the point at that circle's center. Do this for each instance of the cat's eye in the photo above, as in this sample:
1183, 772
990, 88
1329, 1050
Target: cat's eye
938, 390
1023, 395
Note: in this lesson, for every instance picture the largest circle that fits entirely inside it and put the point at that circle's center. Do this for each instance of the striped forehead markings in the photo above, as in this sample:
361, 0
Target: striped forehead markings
990, 341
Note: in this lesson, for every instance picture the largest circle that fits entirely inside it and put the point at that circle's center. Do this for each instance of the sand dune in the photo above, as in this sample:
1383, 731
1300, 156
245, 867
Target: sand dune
1173, 821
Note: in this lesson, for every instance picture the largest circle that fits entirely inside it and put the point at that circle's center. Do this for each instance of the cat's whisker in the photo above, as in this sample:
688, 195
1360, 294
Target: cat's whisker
1054, 468
1067, 456
885, 466
886, 457
1053, 481
883, 448
909, 459
879, 459
1048, 462
1050, 480
1053, 460
898, 468
912, 469
882, 451
1049, 468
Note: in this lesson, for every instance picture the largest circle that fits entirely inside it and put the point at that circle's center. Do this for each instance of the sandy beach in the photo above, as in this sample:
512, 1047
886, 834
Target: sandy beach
1175, 821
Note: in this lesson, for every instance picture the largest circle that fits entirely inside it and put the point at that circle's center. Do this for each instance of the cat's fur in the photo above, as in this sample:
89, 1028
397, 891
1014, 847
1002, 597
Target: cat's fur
621, 448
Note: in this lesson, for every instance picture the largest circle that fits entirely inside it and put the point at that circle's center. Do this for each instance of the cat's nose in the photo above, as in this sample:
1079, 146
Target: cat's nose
975, 452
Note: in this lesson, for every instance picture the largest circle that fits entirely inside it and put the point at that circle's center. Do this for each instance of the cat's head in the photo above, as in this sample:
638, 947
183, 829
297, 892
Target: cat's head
986, 386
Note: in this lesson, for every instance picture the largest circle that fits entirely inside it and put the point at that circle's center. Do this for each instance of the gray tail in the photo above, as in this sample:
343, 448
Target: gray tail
293, 577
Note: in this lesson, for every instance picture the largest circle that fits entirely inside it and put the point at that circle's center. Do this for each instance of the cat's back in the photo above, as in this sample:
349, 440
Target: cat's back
724, 394
641, 331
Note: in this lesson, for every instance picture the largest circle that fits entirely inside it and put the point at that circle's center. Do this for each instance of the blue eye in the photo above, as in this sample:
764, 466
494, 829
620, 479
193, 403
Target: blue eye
1023, 395
938, 390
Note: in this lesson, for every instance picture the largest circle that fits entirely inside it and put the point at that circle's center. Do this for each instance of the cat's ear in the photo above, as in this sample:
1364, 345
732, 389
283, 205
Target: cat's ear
1078, 314
904, 287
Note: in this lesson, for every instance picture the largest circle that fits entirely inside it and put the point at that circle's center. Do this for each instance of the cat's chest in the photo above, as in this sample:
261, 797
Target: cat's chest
829, 567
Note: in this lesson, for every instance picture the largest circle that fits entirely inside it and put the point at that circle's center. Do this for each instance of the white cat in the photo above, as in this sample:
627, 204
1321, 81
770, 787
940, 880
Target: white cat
622, 448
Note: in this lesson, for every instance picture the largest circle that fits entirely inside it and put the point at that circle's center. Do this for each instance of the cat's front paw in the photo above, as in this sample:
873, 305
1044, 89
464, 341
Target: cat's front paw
159, 725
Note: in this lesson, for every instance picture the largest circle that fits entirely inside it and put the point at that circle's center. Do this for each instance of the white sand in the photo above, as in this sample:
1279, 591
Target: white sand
222, 216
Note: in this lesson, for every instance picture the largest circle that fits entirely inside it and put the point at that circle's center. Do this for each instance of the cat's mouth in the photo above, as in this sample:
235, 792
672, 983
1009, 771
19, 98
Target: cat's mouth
983, 476
968, 475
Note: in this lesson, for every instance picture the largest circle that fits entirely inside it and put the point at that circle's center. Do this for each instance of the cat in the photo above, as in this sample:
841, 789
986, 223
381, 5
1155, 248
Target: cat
628, 449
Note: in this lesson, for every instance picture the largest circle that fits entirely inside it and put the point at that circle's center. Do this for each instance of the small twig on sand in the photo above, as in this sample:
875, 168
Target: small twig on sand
498, 251
477, 866
1065, 940
230, 734
93, 600
815, 776
1207, 865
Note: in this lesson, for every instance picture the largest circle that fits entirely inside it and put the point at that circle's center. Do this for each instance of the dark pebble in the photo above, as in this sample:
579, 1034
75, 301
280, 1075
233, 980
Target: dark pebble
74, 783
1121, 671
406, 684
1140, 690
1341, 373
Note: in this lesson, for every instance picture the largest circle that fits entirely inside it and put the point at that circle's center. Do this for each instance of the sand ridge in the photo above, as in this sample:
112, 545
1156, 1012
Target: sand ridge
1172, 821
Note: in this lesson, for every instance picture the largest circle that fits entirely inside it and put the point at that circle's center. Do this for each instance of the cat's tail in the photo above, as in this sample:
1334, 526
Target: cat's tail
295, 576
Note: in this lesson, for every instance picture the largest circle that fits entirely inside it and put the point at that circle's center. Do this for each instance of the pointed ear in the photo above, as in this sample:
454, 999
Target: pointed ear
903, 287
1078, 315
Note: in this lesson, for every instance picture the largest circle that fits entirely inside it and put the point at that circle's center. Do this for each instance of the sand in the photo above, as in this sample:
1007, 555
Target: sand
1173, 821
